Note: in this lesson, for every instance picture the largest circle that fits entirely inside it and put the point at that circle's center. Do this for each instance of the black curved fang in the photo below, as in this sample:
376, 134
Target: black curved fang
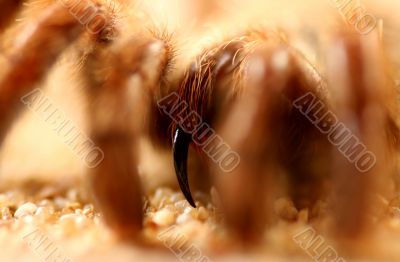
180, 147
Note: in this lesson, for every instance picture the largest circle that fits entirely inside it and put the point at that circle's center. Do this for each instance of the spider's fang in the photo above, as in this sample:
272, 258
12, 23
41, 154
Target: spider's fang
180, 147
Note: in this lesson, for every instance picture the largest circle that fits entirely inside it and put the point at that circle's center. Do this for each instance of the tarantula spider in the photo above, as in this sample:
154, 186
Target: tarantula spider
245, 88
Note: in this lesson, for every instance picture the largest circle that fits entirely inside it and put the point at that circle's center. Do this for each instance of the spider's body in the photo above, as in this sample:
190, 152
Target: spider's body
245, 89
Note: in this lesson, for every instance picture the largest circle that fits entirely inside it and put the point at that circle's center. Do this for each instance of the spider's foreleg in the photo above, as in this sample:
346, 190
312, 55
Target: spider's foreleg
8, 9
269, 134
363, 163
35, 49
121, 77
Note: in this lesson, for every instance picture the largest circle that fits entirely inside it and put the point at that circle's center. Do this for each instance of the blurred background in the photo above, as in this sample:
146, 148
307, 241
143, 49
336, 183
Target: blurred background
34, 150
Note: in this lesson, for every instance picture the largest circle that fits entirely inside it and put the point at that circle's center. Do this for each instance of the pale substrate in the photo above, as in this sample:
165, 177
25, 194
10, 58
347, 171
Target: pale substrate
34, 224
